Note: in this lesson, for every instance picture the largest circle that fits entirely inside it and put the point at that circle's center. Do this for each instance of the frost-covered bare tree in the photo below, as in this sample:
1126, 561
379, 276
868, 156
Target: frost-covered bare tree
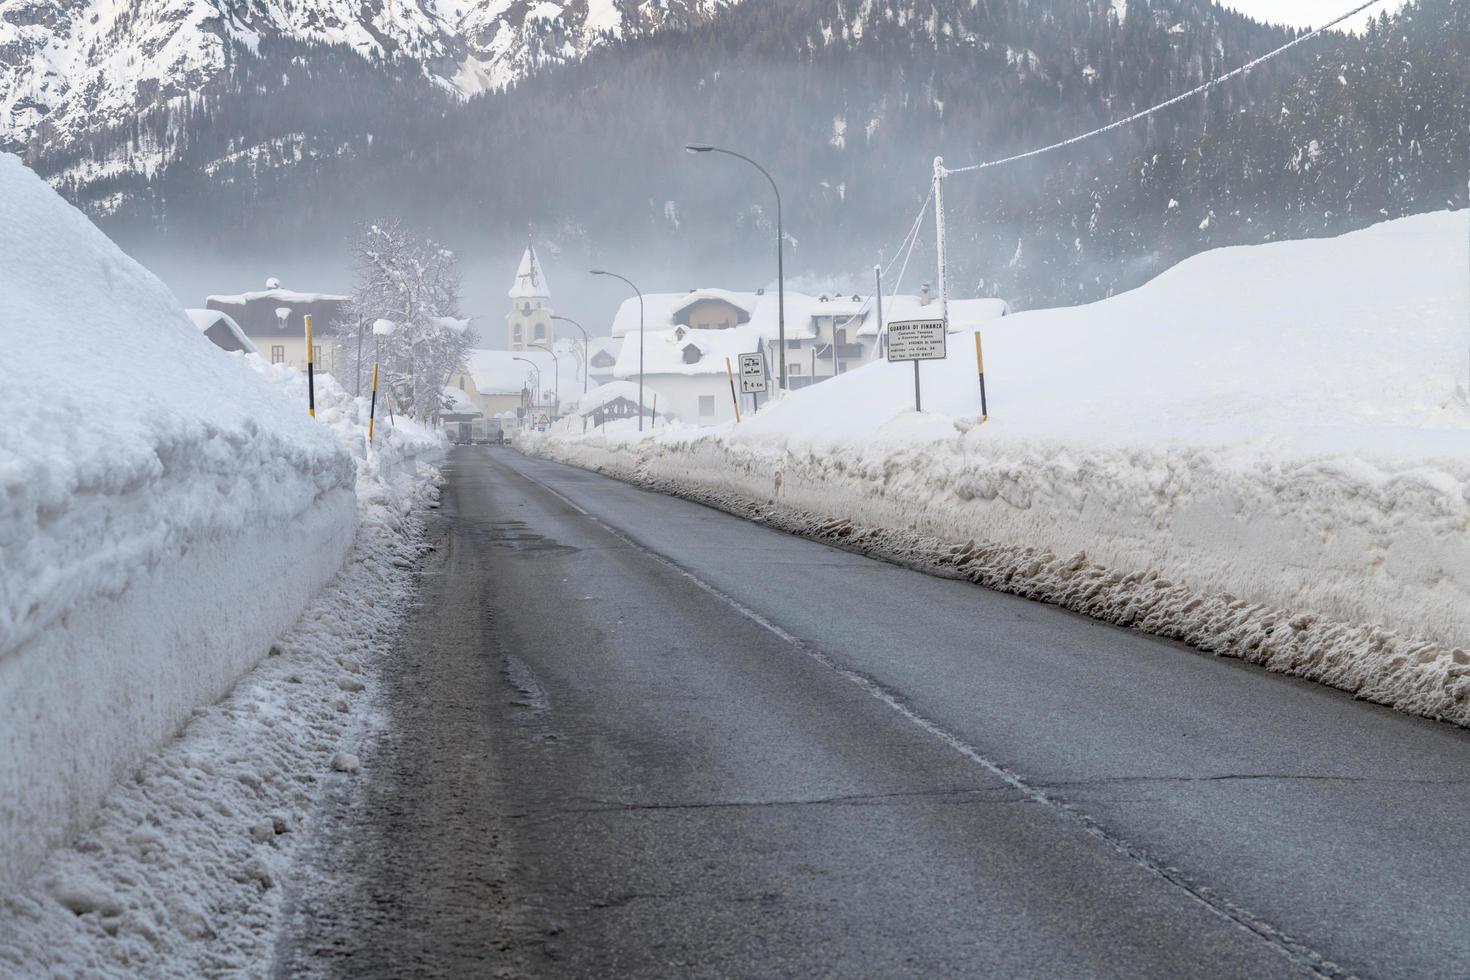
413, 282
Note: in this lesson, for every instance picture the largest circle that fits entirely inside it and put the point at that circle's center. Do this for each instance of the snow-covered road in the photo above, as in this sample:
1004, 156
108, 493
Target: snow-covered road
636, 736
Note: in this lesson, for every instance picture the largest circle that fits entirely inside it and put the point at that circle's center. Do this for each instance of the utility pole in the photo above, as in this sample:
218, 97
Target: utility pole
878, 296
939, 175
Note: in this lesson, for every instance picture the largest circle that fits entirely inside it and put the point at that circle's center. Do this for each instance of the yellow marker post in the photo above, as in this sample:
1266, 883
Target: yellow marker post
734, 398
655, 409
980, 366
310, 371
373, 404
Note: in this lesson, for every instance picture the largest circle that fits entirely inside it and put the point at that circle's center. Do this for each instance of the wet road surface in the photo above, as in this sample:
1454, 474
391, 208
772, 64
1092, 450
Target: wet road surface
626, 735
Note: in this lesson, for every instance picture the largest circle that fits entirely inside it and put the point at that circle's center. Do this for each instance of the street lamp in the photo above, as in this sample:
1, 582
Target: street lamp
586, 348
780, 247
601, 272
538, 378
555, 378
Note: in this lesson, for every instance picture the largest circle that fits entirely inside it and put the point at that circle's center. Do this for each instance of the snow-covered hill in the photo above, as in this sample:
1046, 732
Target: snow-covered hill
68, 67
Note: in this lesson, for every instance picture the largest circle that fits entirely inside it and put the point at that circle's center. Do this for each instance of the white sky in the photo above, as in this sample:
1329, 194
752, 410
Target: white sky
1308, 13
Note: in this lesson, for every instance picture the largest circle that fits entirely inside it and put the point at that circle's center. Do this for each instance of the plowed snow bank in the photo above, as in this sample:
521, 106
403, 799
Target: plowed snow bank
1264, 452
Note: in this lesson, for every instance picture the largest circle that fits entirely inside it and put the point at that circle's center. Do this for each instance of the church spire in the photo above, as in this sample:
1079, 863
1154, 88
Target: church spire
530, 280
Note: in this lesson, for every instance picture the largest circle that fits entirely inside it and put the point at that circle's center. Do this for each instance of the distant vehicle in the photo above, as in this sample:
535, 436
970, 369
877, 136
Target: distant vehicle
489, 432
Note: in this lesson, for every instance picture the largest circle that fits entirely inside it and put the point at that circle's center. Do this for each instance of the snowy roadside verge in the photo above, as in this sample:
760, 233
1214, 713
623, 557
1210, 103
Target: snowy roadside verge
179, 873
1412, 674
1264, 453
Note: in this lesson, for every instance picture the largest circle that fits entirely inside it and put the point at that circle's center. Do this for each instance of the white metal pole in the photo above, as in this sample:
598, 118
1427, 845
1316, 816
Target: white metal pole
939, 174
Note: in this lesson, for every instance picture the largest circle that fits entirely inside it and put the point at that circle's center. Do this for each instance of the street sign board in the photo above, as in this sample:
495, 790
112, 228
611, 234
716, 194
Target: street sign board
916, 340
752, 373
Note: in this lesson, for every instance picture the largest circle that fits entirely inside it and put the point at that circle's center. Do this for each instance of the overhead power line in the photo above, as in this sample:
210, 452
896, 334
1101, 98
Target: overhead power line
1197, 90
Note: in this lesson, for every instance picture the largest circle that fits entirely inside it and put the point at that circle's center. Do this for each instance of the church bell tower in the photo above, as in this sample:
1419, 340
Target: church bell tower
529, 320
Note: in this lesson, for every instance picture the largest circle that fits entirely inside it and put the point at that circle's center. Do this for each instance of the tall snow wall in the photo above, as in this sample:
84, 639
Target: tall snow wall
165, 512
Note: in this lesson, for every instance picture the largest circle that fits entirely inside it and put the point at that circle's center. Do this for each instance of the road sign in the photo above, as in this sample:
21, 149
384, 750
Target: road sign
752, 373
916, 340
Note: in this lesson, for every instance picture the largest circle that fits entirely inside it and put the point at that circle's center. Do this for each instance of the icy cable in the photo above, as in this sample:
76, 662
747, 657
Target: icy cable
1198, 90
907, 244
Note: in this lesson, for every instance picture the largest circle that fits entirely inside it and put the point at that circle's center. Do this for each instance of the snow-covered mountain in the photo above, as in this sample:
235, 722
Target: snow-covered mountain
71, 67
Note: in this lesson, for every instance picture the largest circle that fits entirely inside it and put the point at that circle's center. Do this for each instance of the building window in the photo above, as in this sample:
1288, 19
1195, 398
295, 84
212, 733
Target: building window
793, 369
793, 345
278, 353
316, 353
540, 331
706, 406
842, 336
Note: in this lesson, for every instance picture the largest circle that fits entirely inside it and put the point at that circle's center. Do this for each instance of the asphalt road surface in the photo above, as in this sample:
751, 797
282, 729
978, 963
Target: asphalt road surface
626, 735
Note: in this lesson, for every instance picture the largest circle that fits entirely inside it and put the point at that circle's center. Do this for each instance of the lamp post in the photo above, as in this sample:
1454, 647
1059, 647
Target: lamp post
586, 348
780, 248
603, 272
555, 378
533, 364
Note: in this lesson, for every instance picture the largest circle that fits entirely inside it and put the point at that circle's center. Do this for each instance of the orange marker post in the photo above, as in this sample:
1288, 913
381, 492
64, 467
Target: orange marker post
373, 404
734, 398
310, 371
980, 366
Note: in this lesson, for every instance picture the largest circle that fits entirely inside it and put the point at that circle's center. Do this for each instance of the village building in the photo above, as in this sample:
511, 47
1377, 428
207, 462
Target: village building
613, 402
221, 330
688, 336
603, 357
457, 414
274, 321
504, 381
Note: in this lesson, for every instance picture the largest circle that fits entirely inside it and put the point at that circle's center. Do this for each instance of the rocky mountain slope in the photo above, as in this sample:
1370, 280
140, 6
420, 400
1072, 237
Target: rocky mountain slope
71, 68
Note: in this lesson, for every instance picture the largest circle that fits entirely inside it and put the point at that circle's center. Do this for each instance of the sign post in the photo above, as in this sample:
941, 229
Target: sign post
916, 340
753, 376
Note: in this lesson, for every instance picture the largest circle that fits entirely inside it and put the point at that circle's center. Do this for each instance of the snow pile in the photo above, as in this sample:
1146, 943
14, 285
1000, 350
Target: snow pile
181, 872
1265, 452
164, 514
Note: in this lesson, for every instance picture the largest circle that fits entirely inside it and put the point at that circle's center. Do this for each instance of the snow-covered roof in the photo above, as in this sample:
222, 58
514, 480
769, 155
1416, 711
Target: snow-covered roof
604, 345
458, 403
275, 295
612, 391
497, 372
661, 311
260, 314
964, 314
665, 351
212, 323
530, 280
450, 323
